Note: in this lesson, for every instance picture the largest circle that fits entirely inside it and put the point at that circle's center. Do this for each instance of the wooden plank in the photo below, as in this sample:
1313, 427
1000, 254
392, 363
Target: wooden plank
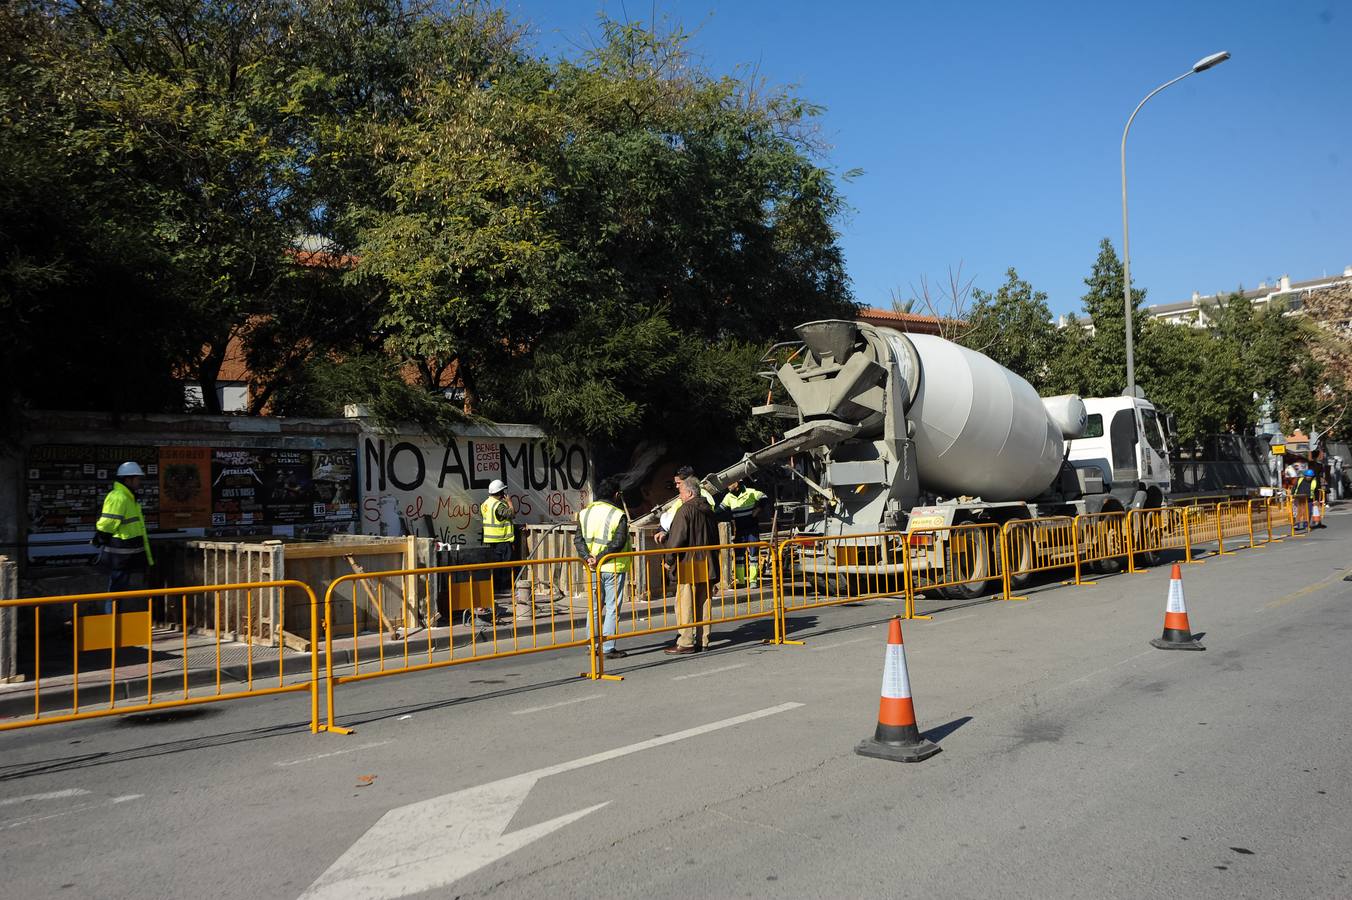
295, 642
370, 594
339, 551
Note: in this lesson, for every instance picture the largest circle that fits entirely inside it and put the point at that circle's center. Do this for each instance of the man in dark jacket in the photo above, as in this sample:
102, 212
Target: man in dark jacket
693, 526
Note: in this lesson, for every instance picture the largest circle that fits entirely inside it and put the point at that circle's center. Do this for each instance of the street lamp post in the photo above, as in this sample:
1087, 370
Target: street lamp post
1201, 65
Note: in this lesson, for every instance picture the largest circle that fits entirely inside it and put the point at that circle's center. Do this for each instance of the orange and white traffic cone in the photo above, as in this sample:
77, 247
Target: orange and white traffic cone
896, 737
1177, 633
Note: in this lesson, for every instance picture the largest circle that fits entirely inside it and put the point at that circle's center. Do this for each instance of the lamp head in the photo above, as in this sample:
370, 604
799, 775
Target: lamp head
1207, 62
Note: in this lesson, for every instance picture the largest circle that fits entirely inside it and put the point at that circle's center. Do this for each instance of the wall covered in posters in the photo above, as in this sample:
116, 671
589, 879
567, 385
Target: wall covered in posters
423, 486
190, 490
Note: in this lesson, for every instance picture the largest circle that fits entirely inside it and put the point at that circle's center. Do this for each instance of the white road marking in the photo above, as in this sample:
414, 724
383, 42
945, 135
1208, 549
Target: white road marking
1106, 668
944, 620
74, 809
536, 709
317, 756
429, 845
709, 672
51, 795
840, 644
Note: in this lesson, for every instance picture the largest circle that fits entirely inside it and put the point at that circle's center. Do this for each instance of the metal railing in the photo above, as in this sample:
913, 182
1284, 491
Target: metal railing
1103, 539
1157, 530
74, 633
495, 612
1029, 546
680, 592
510, 609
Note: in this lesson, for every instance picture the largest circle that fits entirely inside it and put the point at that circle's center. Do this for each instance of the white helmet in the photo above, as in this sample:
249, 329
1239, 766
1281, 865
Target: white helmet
497, 486
129, 468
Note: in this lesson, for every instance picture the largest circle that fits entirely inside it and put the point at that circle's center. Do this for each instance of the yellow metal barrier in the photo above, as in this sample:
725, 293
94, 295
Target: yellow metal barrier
1037, 545
1156, 530
76, 632
688, 577
958, 560
1102, 539
495, 612
815, 571
1203, 525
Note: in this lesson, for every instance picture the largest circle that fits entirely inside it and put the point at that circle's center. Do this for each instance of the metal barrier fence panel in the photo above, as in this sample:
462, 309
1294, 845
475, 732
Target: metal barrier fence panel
828, 570
680, 591
1234, 521
957, 561
1103, 538
85, 647
1156, 530
1203, 525
495, 610
1037, 545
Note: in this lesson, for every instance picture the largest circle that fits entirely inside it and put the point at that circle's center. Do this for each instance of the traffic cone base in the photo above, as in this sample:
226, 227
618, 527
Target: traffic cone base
898, 743
1176, 640
1177, 632
896, 738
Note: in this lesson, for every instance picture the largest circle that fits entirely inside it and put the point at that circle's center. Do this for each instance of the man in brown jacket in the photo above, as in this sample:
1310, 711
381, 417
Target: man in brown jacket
693, 526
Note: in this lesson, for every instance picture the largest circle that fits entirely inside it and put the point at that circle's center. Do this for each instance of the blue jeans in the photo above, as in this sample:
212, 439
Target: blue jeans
612, 586
118, 580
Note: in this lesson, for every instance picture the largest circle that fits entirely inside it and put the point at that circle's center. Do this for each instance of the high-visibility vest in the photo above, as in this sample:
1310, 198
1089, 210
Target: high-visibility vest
1313, 480
496, 531
599, 523
743, 504
122, 520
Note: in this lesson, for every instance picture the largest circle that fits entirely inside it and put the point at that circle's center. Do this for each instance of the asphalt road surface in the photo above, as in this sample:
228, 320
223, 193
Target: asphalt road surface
1077, 762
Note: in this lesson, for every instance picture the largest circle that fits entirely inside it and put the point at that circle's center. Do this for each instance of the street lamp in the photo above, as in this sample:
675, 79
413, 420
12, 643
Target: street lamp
1201, 65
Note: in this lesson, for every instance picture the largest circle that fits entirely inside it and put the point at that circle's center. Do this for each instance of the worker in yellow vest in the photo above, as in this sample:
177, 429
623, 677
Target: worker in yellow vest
603, 529
1302, 493
497, 513
120, 535
745, 504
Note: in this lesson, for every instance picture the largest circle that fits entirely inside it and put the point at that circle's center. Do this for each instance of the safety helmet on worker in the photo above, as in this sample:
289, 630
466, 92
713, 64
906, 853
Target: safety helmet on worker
1309, 472
497, 486
128, 469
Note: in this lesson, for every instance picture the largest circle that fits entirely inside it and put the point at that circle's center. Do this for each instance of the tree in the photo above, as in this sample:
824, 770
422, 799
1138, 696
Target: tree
1197, 375
1013, 326
1104, 371
632, 226
87, 319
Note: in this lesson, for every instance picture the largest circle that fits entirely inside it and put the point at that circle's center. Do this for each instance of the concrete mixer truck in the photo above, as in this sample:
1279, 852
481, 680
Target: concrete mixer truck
899, 433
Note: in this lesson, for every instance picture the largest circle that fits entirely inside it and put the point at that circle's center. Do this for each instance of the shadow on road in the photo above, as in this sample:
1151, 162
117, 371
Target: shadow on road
939, 732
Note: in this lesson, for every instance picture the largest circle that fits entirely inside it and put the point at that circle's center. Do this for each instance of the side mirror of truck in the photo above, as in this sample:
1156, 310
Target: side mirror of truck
1170, 425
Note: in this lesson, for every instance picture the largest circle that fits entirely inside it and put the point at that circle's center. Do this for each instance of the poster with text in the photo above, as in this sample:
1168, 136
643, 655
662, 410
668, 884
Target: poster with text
288, 488
334, 480
236, 487
433, 489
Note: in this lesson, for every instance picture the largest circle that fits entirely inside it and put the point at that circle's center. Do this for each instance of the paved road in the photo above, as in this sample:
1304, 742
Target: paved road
1077, 762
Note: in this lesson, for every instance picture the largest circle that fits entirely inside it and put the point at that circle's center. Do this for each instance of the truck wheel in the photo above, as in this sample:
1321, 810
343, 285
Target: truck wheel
1115, 546
1020, 546
833, 585
973, 559
1146, 559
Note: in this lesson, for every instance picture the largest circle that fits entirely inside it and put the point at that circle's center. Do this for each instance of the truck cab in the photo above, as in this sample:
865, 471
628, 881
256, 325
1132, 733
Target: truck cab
1124, 440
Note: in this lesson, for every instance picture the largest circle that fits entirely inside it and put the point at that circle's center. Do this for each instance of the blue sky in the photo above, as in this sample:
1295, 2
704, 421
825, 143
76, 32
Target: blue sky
989, 132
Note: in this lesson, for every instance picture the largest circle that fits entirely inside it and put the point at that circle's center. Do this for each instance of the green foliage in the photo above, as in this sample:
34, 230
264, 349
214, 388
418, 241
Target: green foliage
1013, 327
594, 243
1198, 376
1102, 370
601, 244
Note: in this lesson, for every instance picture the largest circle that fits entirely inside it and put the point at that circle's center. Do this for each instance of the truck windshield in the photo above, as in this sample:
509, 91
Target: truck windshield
1153, 436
